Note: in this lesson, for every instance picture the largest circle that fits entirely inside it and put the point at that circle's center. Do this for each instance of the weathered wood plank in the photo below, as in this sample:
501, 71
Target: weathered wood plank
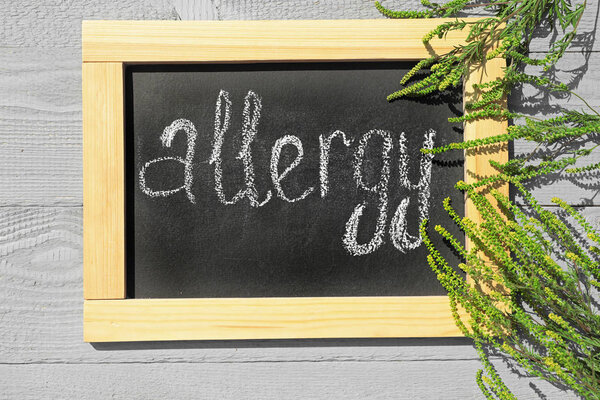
194, 10
324, 380
40, 248
41, 301
333, 9
41, 140
40, 127
580, 71
576, 189
29, 23
47, 24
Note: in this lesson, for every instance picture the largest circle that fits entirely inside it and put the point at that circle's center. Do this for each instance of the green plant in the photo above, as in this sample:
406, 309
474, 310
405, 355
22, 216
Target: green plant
541, 310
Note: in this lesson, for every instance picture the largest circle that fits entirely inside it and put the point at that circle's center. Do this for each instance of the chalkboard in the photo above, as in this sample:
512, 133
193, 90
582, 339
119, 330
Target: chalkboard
283, 180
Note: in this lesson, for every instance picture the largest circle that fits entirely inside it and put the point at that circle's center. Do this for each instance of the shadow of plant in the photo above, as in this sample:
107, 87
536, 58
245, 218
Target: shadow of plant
546, 103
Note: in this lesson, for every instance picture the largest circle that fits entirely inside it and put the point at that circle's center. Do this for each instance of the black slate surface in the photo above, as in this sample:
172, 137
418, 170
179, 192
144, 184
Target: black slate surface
176, 248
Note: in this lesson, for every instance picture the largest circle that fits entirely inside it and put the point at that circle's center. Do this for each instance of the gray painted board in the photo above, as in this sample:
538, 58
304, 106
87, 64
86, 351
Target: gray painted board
40, 124
41, 302
42, 354
58, 24
41, 309
336, 9
448, 380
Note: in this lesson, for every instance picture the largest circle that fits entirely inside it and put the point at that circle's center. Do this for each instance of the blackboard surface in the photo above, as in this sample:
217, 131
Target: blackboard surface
188, 243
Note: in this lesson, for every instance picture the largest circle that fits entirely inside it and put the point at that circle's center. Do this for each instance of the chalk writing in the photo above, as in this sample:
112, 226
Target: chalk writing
278, 177
401, 239
376, 192
325, 145
166, 139
380, 188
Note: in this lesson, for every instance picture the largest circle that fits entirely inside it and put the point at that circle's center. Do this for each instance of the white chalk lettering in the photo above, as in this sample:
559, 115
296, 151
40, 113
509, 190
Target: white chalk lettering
222, 118
276, 176
376, 193
380, 188
251, 115
325, 147
166, 139
252, 108
401, 239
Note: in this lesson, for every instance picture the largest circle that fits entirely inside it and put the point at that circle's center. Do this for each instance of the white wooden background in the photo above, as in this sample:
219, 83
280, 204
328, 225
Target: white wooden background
42, 355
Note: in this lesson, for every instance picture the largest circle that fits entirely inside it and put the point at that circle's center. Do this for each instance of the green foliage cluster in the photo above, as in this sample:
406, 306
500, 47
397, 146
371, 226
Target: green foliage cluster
542, 315
540, 308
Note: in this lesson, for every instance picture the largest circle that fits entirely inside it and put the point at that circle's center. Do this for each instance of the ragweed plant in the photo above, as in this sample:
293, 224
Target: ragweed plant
544, 316
541, 310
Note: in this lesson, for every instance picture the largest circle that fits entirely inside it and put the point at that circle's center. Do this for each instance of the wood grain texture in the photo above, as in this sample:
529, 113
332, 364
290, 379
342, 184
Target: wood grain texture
448, 380
40, 125
341, 9
103, 181
40, 248
41, 310
477, 160
267, 318
262, 41
41, 304
192, 10
33, 23
57, 24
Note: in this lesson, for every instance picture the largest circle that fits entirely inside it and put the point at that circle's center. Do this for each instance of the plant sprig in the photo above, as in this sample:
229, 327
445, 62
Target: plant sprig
543, 316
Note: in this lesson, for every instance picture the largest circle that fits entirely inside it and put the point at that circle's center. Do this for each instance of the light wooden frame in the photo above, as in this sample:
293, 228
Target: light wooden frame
107, 46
